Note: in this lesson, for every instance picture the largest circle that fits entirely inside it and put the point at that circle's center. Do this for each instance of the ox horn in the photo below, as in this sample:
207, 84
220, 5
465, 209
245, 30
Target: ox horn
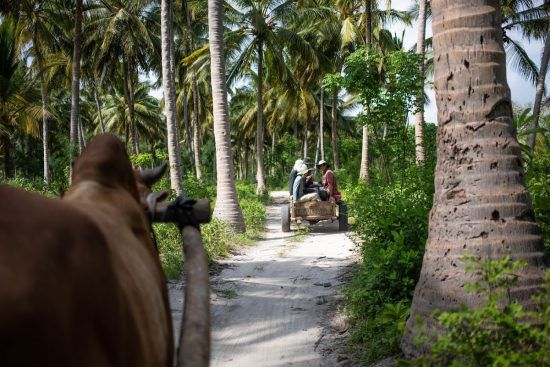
151, 176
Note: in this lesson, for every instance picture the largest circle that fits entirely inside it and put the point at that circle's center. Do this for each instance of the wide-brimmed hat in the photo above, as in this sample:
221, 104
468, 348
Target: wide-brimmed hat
303, 169
321, 162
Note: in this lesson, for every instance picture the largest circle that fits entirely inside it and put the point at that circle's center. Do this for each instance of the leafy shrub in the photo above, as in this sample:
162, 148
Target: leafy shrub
170, 248
254, 216
499, 333
392, 222
216, 237
36, 185
195, 189
538, 183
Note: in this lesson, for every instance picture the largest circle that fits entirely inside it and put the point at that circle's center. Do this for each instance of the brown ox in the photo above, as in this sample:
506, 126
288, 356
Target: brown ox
80, 280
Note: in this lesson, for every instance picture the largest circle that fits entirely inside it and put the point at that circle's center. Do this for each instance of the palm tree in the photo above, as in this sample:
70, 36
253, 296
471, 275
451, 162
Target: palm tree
263, 39
364, 168
116, 112
124, 31
170, 93
539, 91
481, 204
227, 206
18, 97
75, 92
420, 50
35, 19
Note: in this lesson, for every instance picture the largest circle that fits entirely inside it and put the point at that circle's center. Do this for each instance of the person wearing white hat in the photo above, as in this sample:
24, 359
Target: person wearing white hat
329, 183
293, 174
298, 187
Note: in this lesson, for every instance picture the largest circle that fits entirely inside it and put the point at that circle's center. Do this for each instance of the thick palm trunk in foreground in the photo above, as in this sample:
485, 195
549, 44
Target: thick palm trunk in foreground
169, 88
227, 207
481, 205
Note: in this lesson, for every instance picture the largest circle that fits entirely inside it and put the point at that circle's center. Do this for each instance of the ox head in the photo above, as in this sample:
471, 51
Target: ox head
105, 161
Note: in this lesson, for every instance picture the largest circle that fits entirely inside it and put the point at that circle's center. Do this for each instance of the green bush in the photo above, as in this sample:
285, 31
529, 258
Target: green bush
216, 237
392, 222
538, 183
170, 248
499, 333
254, 216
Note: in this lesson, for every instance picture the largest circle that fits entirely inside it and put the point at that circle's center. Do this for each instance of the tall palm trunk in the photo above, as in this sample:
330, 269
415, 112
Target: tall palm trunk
129, 96
333, 129
227, 205
75, 88
321, 121
364, 168
419, 116
260, 177
539, 91
169, 90
45, 129
196, 131
44, 96
481, 204
98, 107
195, 95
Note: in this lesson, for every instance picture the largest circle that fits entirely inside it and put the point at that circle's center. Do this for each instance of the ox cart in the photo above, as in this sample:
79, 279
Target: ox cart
313, 212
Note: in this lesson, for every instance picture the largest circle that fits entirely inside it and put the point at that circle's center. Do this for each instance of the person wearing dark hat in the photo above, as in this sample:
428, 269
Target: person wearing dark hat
330, 187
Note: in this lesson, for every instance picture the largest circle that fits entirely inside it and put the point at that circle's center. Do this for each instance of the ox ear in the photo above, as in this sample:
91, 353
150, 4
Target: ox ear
151, 176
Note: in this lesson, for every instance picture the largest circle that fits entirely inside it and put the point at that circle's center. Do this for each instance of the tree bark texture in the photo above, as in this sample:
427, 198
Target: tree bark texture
129, 95
481, 204
419, 116
539, 91
260, 176
75, 88
45, 130
169, 89
227, 205
368, 22
196, 131
321, 123
44, 97
364, 169
334, 131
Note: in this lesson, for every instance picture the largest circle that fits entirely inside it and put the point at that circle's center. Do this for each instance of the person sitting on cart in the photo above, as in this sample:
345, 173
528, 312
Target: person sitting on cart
294, 173
310, 186
330, 187
299, 181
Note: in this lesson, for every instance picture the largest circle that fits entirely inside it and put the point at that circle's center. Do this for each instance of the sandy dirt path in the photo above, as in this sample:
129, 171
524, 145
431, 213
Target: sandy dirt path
273, 304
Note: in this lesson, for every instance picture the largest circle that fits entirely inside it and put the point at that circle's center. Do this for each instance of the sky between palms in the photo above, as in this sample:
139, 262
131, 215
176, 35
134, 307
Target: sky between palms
523, 92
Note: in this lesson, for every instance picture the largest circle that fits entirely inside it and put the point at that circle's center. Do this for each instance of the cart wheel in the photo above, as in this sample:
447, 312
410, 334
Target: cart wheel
285, 218
343, 217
